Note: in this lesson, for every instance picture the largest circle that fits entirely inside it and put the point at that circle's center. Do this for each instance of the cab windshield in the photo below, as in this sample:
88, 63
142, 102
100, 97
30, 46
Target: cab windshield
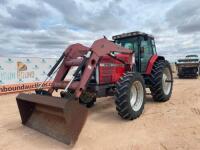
130, 43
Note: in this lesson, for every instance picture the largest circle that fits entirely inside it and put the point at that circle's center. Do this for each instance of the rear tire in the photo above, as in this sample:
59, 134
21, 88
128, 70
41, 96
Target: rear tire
161, 81
130, 96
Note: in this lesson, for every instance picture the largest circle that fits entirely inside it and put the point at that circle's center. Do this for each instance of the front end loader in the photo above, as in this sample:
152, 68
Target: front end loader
63, 117
122, 68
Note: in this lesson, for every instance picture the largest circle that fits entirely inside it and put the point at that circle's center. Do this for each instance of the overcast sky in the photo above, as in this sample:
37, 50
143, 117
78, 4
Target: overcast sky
44, 28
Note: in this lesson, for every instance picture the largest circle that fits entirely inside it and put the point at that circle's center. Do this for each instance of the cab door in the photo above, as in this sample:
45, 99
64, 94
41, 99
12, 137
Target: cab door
146, 52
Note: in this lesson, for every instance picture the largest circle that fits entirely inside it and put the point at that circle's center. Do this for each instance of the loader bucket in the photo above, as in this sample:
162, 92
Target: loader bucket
56, 117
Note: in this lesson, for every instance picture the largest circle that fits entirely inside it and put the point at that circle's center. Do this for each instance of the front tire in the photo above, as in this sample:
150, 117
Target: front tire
130, 96
161, 81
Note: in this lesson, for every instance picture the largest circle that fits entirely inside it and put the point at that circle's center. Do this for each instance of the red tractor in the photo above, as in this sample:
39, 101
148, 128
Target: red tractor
123, 68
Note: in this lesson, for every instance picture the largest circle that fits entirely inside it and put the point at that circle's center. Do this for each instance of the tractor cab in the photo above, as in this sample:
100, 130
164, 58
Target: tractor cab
141, 43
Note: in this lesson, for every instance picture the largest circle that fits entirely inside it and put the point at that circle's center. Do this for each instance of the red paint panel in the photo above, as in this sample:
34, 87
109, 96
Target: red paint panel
151, 63
110, 69
120, 68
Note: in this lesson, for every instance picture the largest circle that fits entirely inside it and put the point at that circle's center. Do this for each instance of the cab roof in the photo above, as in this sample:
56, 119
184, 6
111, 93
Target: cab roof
130, 34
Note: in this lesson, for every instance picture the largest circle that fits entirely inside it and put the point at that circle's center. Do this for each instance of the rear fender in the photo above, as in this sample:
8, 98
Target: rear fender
151, 62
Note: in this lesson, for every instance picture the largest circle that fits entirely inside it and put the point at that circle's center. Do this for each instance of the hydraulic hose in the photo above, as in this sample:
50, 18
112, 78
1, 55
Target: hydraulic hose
56, 65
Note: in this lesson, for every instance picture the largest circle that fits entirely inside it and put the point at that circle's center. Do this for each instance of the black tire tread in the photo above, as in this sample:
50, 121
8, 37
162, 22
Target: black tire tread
122, 96
156, 81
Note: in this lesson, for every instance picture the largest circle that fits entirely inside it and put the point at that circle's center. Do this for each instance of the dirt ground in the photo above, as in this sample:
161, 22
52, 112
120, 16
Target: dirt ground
162, 126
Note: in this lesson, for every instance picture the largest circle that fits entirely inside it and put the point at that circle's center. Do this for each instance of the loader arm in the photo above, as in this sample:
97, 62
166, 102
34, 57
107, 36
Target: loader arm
70, 54
98, 49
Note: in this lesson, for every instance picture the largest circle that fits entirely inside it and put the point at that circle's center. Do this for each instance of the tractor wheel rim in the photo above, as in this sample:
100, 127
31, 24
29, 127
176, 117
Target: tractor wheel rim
136, 95
166, 78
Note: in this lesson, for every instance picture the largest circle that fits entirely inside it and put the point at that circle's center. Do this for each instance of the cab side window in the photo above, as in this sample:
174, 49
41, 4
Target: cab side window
146, 49
153, 45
